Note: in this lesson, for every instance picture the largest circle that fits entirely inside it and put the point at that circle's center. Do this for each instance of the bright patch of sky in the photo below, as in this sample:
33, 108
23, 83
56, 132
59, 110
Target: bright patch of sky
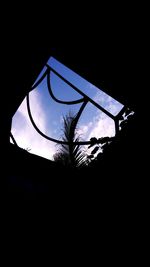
86, 87
48, 114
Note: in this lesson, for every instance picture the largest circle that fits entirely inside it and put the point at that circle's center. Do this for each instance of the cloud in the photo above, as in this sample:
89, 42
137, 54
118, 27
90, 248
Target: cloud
107, 102
100, 126
83, 129
104, 126
24, 133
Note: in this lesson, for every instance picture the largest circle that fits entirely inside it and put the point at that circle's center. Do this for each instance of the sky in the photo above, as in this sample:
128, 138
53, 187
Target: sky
48, 114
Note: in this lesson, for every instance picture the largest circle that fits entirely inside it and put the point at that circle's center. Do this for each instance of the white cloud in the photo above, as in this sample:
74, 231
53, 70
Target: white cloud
107, 102
103, 127
84, 129
100, 126
24, 133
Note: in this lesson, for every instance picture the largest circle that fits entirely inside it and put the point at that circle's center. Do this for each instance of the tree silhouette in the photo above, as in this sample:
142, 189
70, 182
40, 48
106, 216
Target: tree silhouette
70, 155
103, 145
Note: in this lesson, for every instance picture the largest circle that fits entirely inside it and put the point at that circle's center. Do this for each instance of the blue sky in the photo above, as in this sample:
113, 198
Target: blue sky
48, 114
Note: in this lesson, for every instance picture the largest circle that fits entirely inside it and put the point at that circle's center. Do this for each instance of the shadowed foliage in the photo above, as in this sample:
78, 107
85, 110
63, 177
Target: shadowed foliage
70, 155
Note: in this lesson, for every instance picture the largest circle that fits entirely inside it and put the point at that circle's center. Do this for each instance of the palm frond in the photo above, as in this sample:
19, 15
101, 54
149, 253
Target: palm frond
70, 154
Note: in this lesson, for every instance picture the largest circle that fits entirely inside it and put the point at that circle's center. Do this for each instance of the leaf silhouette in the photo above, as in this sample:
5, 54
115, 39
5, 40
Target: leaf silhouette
93, 142
103, 140
95, 150
130, 117
121, 118
71, 155
90, 156
127, 112
123, 123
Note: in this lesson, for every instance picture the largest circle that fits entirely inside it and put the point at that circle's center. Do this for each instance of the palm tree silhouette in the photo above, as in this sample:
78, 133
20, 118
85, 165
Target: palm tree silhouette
70, 155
